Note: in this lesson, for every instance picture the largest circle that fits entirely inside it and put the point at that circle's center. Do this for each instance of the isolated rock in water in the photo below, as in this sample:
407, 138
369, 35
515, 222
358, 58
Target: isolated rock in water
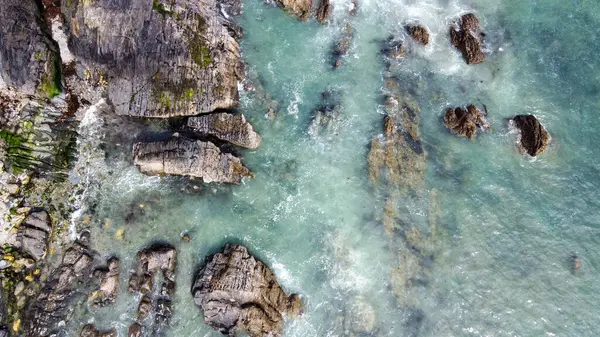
182, 156
342, 46
34, 232
91, 331
237, 292
327, 115
464, 122
418, 33
324, 11
299, 8
469, 39
135, 330
393, 48
534, 137
228, 127
109, 284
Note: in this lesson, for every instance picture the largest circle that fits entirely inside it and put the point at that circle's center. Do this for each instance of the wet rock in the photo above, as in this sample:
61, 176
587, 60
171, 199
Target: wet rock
393, 48
464, 122
342, 46
353, 8
468, 38
360, 318
237, 292
109, 284
418, 33
34, 232
182, 156
324, 11
135, 330
326, 117
91, 331
534, 137
228, 127
144, 308
298, 8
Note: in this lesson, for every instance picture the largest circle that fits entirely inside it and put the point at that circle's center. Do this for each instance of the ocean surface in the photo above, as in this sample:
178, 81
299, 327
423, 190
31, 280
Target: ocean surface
501, 226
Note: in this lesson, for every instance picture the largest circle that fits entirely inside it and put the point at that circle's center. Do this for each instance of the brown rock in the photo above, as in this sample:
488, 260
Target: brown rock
91, 331
342, 46
135, 330
464, 122
298, 8
418, 33
144, 308
109, 284
228, 127
324, 11
468, 39
237, 292
534, 138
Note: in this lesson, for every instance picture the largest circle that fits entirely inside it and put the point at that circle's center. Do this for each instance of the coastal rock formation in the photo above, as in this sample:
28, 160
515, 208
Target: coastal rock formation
534, 137
237, 292
327, 115
324, 11
298, 8
182, 156
109, 284
468, 38
228, 127
342, 45
91, 331
418, 33
393, 48
464, 122
360, 318
34, 232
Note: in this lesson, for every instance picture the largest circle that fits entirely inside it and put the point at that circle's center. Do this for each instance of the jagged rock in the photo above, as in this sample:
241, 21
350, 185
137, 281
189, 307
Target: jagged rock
468, 38
169, 58
237, 292
228, 127
182, 156
91, 331
464, 122
534, 137
418, 33
342, 46
144, 308
324, 11
393, 48
327, 115
298, 8
34, 232
109, 284
135, 330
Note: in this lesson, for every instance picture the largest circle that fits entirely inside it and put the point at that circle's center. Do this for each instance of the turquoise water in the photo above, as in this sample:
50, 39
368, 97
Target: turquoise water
506, 224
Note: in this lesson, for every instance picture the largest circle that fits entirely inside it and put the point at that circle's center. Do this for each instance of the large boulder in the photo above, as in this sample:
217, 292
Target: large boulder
468, 38
534, 137
298, 8
237, 292
418, 33
182, 156
108, 284
464, 122
34, 232
228, 127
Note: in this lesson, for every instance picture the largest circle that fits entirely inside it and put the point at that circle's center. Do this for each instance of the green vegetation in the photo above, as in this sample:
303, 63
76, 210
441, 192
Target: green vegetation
51, 82
161, 8
198, 48
19, 154
173, 95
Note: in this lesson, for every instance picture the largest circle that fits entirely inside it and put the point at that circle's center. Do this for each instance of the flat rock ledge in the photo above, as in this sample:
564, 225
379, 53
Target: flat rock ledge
239, 293
468, 38
228, 127
534, 137
187, 157
464, 122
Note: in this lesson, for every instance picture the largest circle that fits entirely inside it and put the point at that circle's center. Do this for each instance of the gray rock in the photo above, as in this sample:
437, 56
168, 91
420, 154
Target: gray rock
34, 232
108, 284
237, 292
182, 156
360, 318
228, 127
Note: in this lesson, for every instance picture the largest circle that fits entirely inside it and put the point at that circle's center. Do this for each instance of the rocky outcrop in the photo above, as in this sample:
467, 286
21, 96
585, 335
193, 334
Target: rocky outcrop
238, 293
108, 284
342, 46
464, 122
150, 262
298, 8
393, 48
91, 331
534, 137
34, 232
324, 11
182, 156
418, 33
327, 115
468, 38
228, 127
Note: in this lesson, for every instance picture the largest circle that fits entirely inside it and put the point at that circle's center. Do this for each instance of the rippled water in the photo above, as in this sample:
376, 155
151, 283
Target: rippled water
506, 224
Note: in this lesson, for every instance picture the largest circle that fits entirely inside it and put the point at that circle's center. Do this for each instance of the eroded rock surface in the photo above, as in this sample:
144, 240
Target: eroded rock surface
298, 8
91, 331
327, 115
418, 33
239, 293
324, 11
534, 137
464, 122
342, 45
108, 284
34, 232
228, 127
182, 156
468, 38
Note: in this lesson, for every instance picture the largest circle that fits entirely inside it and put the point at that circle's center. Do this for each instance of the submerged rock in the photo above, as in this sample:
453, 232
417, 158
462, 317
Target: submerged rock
182, 156
418, 33
468, 38
239, 293
342, 46
360, 318
91, 331
534, 137
228, 127
324, 11
298, 8
109, 284
393, 48
464, 122
327, 115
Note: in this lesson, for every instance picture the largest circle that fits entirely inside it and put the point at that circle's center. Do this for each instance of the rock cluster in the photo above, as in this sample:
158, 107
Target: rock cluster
227, 127
298, 8
468, 38
183, 156
108, 288
238, 293
418, 33
342, 45
464, 122
534, 137
327, 115
91, 331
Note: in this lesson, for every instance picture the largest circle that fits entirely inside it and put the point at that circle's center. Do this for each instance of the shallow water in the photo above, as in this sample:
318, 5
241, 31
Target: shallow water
506, 224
